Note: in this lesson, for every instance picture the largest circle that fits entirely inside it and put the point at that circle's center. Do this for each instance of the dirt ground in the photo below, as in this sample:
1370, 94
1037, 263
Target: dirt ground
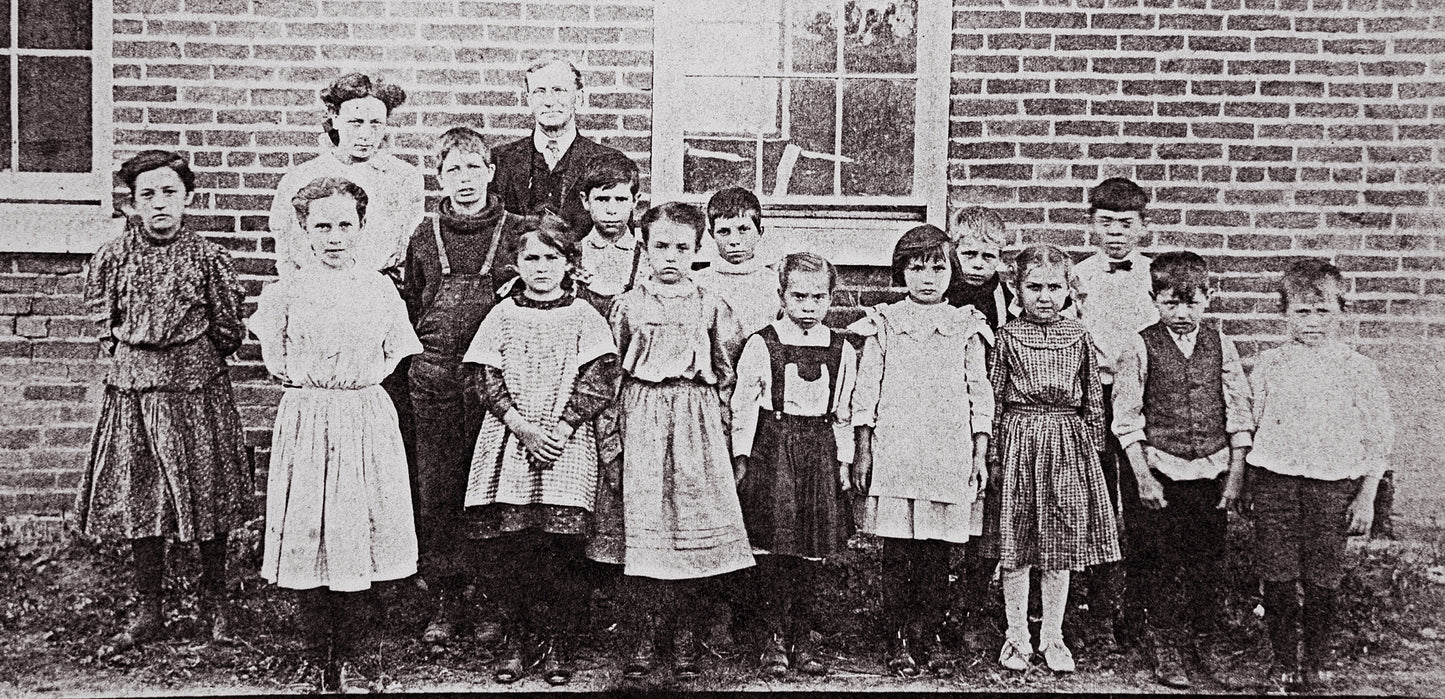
60, 599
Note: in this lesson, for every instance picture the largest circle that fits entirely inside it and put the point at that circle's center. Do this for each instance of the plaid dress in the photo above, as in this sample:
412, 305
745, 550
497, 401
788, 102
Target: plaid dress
1054, 510
541, 352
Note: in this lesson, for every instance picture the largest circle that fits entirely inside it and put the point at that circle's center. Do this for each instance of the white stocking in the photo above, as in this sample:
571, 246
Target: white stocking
1056, 596
1016, 605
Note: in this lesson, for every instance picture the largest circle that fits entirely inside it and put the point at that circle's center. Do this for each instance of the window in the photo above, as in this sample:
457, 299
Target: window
54, 100
813, 104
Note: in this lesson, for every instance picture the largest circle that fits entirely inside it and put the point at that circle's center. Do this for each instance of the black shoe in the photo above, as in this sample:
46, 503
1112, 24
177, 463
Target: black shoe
512, 664
1169, 668
940, 661
217, 607
644, 656
900, 659
805, 656
684, 654
147, 624
557, 663
774, 659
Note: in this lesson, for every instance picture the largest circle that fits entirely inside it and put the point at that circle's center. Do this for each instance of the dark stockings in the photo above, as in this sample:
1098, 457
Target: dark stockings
546, 590
148, 556
915, 586
334, 624
1282, 612
1318, 619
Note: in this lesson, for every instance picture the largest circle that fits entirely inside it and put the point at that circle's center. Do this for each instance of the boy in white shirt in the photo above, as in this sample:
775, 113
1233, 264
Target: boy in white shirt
734, 217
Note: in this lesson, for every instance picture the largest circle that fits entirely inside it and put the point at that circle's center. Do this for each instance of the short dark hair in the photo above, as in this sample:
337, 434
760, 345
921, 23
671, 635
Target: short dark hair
464, 139
924, 243
355, 86
1311, 277
148, 160
1182, 272
676, 212
1118, 194
553, 59
609, 170
1042, 256
323, 187
806, 262
732, 202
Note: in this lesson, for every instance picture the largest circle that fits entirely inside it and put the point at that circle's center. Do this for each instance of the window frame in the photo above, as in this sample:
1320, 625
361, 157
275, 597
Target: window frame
64, 212
930, 119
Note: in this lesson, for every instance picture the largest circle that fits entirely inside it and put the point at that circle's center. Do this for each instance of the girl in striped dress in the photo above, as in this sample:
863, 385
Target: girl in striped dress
1049, 428
548, 367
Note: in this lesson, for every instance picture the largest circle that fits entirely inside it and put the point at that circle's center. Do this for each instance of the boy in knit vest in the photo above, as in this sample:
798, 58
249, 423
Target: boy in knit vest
1182, 414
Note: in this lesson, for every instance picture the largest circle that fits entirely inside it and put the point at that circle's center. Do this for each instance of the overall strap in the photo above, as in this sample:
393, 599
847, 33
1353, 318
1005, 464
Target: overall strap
637, 260
436, 229
777, 361
492, 249
835, 360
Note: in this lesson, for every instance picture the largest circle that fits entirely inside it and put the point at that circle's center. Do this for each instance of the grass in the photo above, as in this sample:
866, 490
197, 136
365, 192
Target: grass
59, 600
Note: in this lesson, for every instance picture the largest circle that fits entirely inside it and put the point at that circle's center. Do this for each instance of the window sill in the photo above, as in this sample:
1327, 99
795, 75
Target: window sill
55, 228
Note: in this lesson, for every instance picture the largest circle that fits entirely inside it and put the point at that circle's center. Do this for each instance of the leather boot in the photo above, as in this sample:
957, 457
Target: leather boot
1318, 618
1282, 616
216, 606
146, 624
444, 622
900, 656
684, 652
644, 651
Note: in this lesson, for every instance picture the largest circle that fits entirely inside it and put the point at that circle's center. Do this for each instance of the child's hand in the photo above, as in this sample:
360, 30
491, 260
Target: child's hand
740, 469
978, 480
541, 445
1233, 488
1151, 494
557, 440
845, 472
1361, 514
862, 470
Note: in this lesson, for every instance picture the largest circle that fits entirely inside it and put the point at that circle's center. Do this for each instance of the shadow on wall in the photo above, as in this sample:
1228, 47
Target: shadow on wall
1415, 374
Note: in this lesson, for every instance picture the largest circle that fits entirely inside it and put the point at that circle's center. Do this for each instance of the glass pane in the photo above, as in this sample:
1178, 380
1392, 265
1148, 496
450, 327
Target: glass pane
878, 137
732, 107
811, 117
55, 116
814, 36
5, 34
54, 24
880, 36
711, 164
739, 37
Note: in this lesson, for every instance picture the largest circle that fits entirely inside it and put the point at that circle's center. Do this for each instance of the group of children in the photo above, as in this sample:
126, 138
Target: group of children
585, 399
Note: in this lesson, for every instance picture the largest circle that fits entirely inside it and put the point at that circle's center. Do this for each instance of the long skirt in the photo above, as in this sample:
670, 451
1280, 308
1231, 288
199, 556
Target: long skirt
1054, 509
680, 505
168, 464
338, 504
791, 499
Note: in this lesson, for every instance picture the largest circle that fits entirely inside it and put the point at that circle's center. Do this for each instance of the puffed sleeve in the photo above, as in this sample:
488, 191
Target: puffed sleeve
1129, 376
224, 295
754, 385
620, 322
1238, 416
1093, 395
268, 324
599, 372
727, 339
868, 388
976, 383
283, 225
843, 432
998, 378
487, 346
1377, 428
400, 340
100, 294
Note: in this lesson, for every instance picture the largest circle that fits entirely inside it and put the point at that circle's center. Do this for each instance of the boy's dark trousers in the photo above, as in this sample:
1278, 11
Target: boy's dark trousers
1175, 557
448, 418
1111, 597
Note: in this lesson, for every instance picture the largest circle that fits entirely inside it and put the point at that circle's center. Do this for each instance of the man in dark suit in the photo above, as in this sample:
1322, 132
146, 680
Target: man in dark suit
541, 172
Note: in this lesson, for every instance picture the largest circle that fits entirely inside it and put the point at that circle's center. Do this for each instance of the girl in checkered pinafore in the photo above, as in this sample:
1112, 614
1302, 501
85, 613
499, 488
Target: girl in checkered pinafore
548, 366
1054, 511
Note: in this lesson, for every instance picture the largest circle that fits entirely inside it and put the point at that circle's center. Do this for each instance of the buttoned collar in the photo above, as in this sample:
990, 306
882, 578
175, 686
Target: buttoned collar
626, 241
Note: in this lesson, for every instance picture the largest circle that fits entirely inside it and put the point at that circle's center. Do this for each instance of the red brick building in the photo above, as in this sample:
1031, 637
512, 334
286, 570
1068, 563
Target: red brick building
1264, 129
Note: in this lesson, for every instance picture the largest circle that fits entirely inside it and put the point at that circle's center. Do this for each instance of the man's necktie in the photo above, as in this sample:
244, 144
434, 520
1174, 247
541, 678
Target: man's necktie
1120, 266
553, 153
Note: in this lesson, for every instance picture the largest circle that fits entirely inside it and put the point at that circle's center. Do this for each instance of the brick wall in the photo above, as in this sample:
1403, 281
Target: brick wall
1264, 129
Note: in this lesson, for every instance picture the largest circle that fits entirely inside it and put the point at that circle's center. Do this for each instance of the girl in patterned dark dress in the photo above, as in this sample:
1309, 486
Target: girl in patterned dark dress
1054, 511
167, 460
792, 440
548, 366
